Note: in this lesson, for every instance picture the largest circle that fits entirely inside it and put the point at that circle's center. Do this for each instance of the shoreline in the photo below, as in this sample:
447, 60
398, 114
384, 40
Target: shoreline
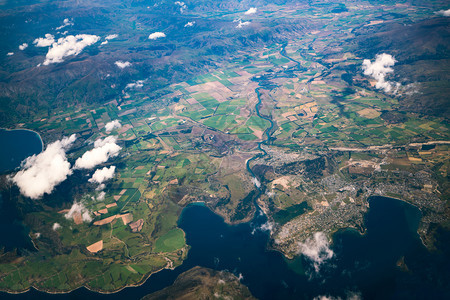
420, 221
30, 130
271, 246
142, 282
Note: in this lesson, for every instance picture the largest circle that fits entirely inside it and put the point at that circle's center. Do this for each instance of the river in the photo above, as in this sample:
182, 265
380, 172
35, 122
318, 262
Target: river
388, 262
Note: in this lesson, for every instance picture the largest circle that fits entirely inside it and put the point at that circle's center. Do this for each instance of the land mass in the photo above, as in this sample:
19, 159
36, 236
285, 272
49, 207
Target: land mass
203, 283
285, 117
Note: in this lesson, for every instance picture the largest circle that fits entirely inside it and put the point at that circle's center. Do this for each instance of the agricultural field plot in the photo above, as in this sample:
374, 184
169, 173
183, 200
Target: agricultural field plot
222, 107
360, 119
292, 124
130, 198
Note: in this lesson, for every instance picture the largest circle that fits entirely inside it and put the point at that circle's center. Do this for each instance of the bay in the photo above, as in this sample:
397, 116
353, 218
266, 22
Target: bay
16, 146
363, 265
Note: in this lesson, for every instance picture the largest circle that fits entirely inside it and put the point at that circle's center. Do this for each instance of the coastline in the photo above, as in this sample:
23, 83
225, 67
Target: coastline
30, 130
144, 279
140, 283
421, 223
271, 245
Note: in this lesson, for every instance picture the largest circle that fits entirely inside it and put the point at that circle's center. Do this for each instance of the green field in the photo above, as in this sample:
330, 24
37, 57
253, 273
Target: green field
171, 241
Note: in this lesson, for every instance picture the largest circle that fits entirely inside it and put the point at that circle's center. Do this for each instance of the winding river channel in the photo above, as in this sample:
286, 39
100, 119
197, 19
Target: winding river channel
267, 132
388, 262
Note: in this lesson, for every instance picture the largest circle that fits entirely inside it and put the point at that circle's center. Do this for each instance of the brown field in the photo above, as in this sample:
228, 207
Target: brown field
369, 113
137, 226
414, 159
283, 181
125, 128
374, 23
258, 133
106, 220
77, 218
126, 218
215, 89
401, 162
95, 247
173, 181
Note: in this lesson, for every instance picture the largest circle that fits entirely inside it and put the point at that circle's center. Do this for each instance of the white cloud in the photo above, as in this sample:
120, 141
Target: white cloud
41, 173
323, 297
101, 196
242, 24
156, 35
133, 85
353, 295
78, 207
56, 226
111, 36
66, 22
317, 249
256, 182
110, 126
122, 64
251, 11
44, 42
379, 69
411, 89
103, 150
350, 296
189, 24
102, 175
23, 46
182, 6
69, 45
9, 53
445, 13
268, 226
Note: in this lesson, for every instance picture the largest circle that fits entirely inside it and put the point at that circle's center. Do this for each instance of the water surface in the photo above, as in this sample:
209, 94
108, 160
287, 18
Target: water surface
364, 265
16, 145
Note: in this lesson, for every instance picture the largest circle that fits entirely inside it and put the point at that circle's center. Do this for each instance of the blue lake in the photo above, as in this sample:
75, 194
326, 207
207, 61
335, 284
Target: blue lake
16, 146
365, 265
